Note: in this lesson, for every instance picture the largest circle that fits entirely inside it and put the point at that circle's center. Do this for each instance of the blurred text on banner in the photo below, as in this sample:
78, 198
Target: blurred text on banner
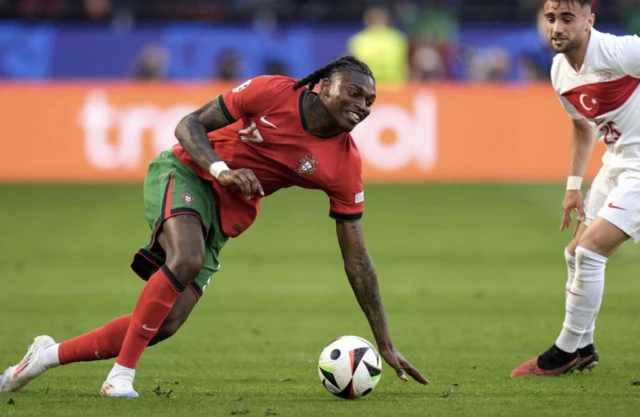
108, 132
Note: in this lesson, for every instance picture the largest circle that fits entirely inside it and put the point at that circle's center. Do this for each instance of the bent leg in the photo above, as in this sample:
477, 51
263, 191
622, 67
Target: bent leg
584, 297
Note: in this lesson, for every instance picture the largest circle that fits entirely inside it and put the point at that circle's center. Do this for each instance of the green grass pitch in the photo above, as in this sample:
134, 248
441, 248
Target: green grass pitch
472, 277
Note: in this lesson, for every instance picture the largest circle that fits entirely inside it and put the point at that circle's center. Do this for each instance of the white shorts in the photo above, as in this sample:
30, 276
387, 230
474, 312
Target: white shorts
615, 199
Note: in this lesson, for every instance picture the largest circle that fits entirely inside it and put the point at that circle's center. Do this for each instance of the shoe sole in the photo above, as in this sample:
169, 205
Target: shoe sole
105, 393
589, 366
572, 369
537, 372
127, 395
589, 362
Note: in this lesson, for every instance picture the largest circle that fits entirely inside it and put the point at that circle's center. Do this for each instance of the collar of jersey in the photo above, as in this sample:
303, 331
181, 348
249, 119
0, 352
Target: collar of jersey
594, 38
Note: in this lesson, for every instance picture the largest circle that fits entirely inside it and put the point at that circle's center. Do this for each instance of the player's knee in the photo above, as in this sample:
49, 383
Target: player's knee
186, 264
596, 243
588, 241
589, 238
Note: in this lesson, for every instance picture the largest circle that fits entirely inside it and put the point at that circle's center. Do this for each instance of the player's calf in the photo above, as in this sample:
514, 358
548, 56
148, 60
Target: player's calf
177, 317
182, 239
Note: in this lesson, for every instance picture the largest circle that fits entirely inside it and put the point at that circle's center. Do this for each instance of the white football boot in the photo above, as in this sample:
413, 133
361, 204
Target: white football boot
119, 383
29, 368
118, 387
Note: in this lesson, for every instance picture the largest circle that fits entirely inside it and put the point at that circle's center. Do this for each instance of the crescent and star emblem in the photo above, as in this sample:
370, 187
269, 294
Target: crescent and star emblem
593, 102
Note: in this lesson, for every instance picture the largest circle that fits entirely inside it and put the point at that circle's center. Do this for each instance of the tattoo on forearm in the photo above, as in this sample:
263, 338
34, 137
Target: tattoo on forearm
196, 143
362, 276
191, 132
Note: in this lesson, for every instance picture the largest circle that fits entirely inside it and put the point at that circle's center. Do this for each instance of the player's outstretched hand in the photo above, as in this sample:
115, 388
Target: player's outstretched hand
244, 179
572, 202
401, 365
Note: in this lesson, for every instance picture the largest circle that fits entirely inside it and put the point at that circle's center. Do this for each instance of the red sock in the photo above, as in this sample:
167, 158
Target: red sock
101, 343
156, 300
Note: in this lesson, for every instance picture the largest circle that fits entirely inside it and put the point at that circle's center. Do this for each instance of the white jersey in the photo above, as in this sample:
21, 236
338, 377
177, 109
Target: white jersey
606, 92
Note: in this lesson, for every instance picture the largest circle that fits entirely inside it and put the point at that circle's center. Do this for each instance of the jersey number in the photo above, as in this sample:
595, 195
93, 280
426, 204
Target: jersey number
608, 132
251, 134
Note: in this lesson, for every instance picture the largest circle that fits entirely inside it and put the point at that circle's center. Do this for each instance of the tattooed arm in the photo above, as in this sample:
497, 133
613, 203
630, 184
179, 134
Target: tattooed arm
363, 278
192, 131
364, 282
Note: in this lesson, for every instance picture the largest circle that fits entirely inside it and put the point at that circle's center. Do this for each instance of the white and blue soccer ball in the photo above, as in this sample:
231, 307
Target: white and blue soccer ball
349, 367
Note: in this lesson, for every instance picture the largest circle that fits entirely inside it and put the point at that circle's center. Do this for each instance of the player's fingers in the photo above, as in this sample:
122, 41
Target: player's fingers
390, 356
415, 374
581, 214
251, 184
563, 220
243, 183
393, 362
399, 371
259, 187
256, 188
566, 221
401, 375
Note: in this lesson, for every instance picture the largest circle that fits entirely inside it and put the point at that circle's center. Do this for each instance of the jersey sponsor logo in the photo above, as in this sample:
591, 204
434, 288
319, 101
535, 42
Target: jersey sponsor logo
264, 120
242, 86
307, 165
360, 197
251, 134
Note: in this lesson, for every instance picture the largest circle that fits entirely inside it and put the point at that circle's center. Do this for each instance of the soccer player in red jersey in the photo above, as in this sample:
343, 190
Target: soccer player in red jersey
267, 134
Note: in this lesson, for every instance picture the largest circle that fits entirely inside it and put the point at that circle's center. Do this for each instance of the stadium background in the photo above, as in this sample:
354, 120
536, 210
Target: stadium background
464, 164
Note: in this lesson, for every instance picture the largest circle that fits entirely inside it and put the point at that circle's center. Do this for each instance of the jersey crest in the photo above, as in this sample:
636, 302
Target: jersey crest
307, 165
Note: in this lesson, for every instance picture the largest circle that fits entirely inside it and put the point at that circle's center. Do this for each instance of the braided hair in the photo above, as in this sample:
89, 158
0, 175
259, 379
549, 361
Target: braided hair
345, 63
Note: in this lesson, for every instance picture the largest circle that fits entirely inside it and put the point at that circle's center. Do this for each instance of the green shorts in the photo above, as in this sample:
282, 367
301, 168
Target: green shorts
170, 189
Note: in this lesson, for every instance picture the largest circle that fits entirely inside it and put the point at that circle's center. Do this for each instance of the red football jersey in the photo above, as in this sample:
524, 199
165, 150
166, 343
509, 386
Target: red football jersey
267, 134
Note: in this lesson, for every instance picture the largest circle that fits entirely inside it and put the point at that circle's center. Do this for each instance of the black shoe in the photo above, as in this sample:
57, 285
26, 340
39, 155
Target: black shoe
553, 362
589, 358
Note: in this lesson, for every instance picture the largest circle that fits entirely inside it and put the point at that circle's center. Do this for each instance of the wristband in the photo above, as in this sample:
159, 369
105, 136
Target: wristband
574, 183
217, 167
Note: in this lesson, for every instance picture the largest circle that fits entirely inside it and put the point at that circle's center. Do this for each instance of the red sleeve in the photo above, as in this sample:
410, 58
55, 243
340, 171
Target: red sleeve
247, 99
347, 196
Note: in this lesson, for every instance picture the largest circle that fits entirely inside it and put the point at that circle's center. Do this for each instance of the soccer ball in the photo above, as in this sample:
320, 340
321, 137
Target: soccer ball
349, 367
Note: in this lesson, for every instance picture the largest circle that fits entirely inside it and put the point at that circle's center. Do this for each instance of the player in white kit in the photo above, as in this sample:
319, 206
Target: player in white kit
596, 77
